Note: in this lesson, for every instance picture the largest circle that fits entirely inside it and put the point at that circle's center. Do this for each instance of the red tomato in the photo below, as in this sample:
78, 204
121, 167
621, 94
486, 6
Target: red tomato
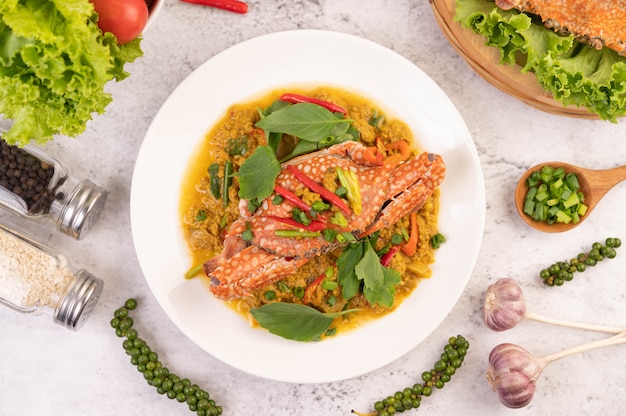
126, 19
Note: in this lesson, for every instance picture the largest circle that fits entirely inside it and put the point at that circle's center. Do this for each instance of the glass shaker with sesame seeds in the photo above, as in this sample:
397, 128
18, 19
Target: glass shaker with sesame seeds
36, 186
35, 280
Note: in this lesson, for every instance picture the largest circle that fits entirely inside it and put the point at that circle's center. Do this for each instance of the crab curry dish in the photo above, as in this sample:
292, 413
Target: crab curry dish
311, 206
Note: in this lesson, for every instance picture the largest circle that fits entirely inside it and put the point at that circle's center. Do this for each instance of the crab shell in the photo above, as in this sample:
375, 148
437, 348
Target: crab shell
388, 193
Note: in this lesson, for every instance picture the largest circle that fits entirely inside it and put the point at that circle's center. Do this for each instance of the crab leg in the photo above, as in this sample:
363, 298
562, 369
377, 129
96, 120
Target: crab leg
250, 269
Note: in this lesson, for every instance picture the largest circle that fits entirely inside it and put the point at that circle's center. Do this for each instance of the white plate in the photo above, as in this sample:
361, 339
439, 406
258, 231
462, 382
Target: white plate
258, 66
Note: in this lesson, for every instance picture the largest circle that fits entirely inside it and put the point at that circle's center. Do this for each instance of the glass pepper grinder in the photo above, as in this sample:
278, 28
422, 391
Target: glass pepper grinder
36, 186
35, 280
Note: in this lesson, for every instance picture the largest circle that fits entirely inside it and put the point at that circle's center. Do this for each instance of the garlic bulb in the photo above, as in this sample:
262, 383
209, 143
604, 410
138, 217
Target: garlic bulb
513, 371
504, 306
512, 374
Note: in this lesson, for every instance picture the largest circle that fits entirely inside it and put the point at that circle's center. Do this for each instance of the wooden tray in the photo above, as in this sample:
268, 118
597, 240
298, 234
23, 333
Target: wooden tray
485, 61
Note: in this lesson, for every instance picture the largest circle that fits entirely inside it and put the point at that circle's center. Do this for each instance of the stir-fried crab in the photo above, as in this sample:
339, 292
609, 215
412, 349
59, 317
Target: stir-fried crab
388, 191
594, 22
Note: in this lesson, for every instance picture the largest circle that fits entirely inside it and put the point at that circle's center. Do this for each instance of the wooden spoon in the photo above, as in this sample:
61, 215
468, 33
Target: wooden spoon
594, 184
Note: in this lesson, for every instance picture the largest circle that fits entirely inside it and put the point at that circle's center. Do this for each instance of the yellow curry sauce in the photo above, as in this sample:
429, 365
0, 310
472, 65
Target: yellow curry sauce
205, 219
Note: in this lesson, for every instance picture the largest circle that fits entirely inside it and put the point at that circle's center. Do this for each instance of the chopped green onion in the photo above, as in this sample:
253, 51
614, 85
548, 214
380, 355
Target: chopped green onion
553, 196
330, 285
341, 191
298, 292
194, 271
228, 179
320, 206
329, 234
269, 295
331, 301
247, 235
277, 200
300, 216
253, 204
339, 219
201, 215
214, 180
396, 239
437, 240
296, 233
282, 286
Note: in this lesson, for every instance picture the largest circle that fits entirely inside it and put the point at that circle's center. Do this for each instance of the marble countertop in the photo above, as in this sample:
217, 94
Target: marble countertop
48, 370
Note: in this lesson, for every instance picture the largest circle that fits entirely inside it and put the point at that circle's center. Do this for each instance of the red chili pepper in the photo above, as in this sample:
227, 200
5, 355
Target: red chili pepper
308, 292
230, 5
313, 226
293, 198
385, 259
315, 187
298, 98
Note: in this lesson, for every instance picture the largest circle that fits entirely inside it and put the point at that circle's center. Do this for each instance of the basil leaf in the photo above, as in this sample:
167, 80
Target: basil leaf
306, 121
258, 174
294, 321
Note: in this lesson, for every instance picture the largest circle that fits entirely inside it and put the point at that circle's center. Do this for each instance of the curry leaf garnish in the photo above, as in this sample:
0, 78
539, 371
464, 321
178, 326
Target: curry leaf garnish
258, 173
309, 122
294, 321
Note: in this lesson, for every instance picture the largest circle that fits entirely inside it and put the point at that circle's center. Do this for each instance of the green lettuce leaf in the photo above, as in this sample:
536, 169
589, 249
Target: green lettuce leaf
54, 64
573, 73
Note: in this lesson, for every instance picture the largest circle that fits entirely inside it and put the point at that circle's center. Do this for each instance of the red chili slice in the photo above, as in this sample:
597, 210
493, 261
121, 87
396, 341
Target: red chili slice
385, 259
315, 187
293, 198
298, 98
313, 226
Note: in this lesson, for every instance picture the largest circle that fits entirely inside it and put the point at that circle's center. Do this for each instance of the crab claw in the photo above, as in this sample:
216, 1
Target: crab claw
410, 185
248, 270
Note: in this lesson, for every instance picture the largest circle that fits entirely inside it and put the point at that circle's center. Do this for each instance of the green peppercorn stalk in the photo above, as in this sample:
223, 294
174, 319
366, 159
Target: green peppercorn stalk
410, 398
563, 271
157, 376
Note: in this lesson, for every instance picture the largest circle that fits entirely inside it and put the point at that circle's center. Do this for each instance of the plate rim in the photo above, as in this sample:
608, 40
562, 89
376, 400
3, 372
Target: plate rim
137, 221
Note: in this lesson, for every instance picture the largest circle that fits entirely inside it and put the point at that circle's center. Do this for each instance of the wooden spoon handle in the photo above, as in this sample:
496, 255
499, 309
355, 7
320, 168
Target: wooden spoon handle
603, 180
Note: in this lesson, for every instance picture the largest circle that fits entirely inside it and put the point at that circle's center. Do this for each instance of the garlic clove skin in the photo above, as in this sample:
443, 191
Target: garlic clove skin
504, 306
513, 373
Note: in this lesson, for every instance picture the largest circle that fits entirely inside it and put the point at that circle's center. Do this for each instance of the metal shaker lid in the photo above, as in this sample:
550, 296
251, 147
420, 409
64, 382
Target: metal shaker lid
82, 210
79, 300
